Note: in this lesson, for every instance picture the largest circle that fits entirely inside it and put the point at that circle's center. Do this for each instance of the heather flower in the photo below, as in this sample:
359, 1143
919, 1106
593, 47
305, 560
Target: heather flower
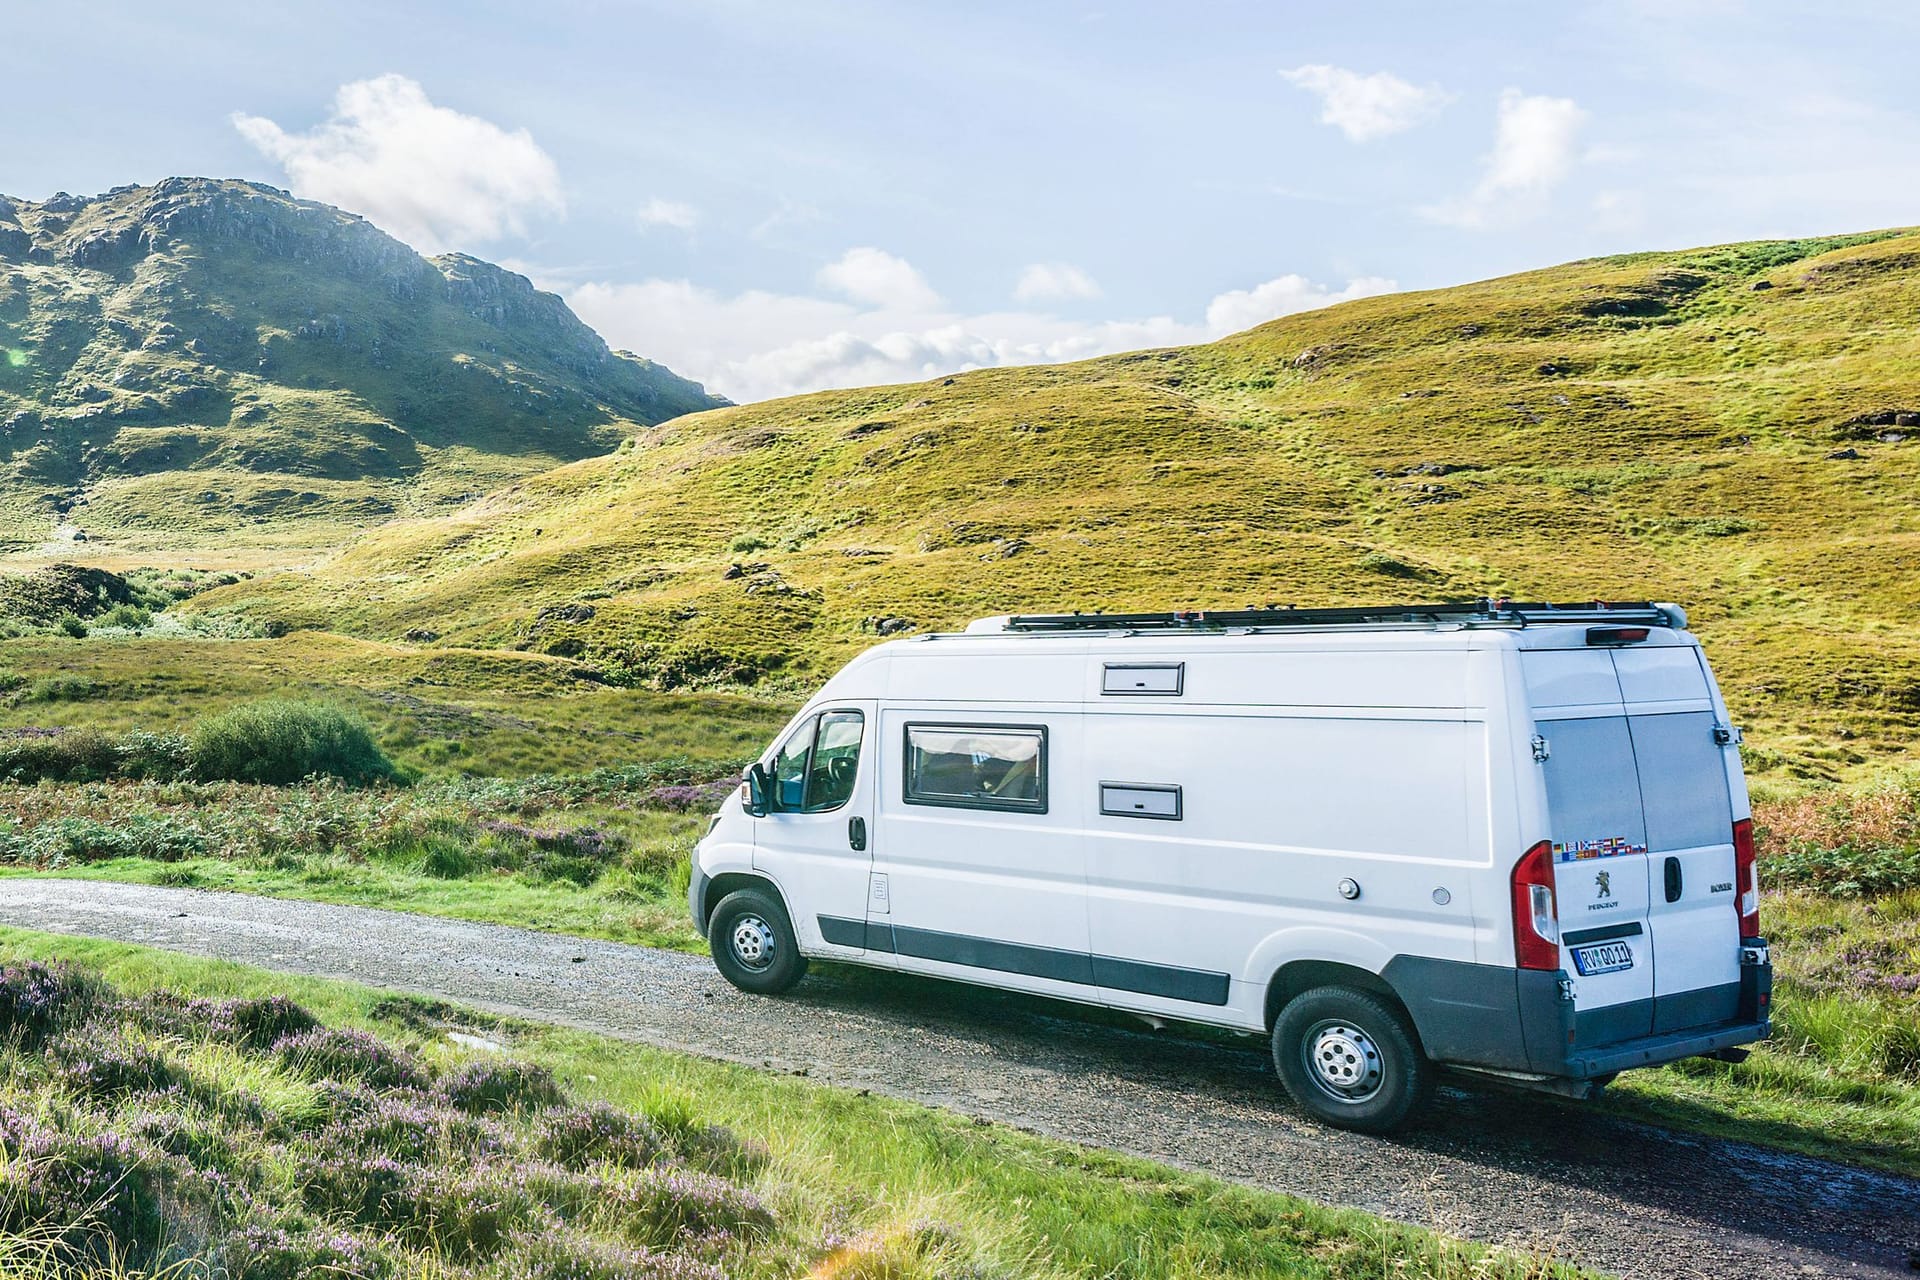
268, 1252
500, 1084
685, 797
581, 1136
663, 1205
36, 999
349, 1055
259, 1023
415, 1127
375, 1191
112, 1068
98, 1194
555, 1256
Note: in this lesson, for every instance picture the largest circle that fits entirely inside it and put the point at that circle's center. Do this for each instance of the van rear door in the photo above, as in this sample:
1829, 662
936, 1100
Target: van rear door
1599, 842
1694, 927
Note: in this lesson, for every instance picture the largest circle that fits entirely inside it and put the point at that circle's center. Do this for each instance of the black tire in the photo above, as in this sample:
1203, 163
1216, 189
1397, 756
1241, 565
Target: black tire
1349, 1057
753, 944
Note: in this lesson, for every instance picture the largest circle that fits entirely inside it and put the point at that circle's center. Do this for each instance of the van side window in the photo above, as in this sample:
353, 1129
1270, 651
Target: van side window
817, 764
978, 766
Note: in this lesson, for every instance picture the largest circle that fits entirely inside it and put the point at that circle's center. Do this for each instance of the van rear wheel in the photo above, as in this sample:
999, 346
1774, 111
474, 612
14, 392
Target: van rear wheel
753, 944
1350, 1058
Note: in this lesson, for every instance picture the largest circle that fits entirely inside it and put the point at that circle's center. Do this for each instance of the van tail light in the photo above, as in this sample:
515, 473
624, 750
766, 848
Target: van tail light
1746, 879
1536, 921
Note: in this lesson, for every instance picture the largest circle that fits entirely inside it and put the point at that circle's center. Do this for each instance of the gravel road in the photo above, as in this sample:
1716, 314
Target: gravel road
1619, 1196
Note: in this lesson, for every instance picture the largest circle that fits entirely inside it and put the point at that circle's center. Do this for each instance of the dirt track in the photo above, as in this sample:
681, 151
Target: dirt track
1623, 1197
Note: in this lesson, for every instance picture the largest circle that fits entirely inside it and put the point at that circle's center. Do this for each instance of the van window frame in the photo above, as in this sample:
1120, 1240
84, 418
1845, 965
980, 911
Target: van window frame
988, 804
818, 720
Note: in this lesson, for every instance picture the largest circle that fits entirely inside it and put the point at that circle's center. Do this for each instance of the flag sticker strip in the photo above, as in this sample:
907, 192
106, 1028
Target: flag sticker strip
1584, 850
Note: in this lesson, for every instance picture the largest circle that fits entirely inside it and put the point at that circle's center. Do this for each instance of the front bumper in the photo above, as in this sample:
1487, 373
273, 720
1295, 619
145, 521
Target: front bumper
697, 898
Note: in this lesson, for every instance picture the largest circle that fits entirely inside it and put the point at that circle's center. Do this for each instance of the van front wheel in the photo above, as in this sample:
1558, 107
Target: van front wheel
753, 944
1350, 1059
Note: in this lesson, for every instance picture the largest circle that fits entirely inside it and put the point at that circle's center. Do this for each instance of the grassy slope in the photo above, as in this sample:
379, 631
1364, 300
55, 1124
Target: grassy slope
1650, 426
438, 710
865, 1168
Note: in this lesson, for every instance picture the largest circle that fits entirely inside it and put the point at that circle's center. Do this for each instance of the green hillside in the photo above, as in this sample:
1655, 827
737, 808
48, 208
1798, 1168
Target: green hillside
1737, 428
214, 365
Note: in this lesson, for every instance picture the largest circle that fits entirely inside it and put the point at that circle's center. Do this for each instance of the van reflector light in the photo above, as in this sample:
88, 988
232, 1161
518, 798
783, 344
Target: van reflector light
1536, 921
1746, 879
1617, 635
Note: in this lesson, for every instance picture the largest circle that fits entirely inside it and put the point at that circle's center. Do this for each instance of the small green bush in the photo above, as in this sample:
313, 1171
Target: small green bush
58, 689
130, 617
73, 626
281, 741
85, 755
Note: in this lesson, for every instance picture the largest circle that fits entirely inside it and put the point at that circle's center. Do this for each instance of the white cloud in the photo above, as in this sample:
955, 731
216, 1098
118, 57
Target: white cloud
677, 214
432, 176
877, 277
755, 345
1054, 281
1536, 141
1365, 107
1244, 308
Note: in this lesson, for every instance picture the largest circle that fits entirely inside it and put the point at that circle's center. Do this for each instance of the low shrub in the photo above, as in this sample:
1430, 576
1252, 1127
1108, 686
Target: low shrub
341, 1054
97, 1067
663, 1205
38, 1000
60, 841
275, 1252
499, 1084
261, 1022
98, 1196
1844, 872
553, 1255
58, 688
578, 1137
282, 741
78, 755
369, 1191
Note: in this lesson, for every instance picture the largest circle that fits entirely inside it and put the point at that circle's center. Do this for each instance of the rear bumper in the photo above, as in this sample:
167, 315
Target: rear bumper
1652, 1051
1526, 1021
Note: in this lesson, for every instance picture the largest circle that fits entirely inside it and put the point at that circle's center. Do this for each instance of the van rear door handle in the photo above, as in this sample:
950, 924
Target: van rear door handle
1675, 886
857, 834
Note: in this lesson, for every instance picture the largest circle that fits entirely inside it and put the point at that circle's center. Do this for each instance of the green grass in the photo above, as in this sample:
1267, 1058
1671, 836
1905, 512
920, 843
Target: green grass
434, 710
1648, 426
855, 1183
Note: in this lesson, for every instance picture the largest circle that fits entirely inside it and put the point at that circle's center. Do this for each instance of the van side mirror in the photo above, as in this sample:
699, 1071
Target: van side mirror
759, 790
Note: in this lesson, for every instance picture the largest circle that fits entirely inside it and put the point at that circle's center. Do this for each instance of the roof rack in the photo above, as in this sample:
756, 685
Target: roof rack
1458, 613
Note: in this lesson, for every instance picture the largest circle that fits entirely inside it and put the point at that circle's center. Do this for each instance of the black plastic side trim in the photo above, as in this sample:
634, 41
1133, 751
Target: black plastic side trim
842, 932
1464, 1012
986, 953
1631, 929
1170, 981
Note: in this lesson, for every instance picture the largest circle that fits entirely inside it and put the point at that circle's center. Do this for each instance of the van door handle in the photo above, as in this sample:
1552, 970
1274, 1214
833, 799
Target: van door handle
857, 834
1675, 886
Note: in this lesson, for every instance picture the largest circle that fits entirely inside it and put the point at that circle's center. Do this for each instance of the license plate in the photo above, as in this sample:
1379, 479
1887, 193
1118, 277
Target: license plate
1603, 957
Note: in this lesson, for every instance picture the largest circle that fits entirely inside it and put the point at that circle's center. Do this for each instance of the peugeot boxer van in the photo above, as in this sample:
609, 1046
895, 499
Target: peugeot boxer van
1512, 841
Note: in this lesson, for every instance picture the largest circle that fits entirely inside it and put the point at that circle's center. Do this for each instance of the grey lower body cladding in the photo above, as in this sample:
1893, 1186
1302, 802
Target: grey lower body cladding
1522, 1020
1141, 977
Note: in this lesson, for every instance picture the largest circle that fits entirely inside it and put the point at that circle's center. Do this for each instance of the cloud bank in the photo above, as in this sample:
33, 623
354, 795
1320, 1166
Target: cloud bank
432, 176
891, 327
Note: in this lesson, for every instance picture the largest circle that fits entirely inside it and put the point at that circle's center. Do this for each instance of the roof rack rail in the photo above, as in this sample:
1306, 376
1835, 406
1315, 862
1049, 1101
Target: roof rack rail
1459, 613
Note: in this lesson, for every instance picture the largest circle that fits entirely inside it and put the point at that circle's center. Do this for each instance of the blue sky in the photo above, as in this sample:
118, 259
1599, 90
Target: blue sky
779, 196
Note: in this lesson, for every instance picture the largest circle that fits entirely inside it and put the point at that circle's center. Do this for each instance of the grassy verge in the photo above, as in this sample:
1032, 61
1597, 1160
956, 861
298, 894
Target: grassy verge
427, 1157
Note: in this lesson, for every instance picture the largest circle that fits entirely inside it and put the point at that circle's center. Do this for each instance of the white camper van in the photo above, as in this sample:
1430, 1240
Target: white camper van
1510, 840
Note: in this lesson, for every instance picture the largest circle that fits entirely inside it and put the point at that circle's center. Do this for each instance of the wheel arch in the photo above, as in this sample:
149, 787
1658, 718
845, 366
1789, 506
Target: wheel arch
1299, 976
718, 887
